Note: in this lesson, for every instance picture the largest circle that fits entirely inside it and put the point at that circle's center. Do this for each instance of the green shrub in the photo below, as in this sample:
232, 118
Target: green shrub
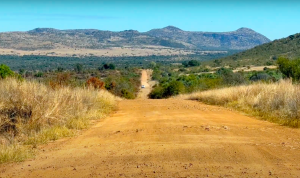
167, 90
126, 94
5, 71
157, 93
290, 68
174, 88
39, 74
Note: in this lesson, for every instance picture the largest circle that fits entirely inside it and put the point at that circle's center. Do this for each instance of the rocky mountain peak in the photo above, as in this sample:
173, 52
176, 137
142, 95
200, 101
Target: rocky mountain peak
245, 30
172, 29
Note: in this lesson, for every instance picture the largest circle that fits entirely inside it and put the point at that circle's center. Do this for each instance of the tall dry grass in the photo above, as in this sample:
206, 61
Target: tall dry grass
32, 113
277, 102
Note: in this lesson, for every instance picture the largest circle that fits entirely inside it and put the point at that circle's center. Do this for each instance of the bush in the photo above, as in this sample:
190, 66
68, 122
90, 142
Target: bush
33, 113
126, 94
78, 68
5, 71
260, 76
174, 88
95, 83
157, 93
167, 90
290, 68
61, 80
191, 63
230, 78
39, 74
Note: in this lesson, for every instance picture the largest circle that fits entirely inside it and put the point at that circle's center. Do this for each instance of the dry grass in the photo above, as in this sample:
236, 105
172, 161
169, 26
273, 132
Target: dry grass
110, 52
32, 114
277, 102
15, 153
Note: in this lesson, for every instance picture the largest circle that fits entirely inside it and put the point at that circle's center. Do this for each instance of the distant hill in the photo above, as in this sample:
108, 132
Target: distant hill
241, 39
172, 37
269, 52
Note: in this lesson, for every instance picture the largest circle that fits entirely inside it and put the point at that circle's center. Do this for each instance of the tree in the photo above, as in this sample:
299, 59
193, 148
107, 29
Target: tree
285, 66
60, 69
112, 66
152, 65
5, 71
78, 68
194, 63
191, 63
174, 88
21, 71
185, 63
290, 68
105, 66
224, 72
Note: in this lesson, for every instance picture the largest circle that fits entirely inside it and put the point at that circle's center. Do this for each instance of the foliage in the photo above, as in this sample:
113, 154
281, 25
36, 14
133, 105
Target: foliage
170, 89
5, 71
95, 83
78, 68
195, 79
125, 84
290, 68
106, 66
60, 64
39, 74
61, 80
191, 63
268, 53
229, 77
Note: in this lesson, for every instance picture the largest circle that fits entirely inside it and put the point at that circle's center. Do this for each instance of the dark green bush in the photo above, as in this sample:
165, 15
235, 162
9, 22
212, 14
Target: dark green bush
174, 88
157, 93
126, 94
290, 68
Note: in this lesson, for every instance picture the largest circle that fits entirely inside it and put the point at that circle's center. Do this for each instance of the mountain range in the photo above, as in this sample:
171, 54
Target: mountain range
171, 37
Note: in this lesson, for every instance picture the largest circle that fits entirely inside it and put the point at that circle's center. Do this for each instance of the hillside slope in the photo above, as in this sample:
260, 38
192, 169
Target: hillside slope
288, 47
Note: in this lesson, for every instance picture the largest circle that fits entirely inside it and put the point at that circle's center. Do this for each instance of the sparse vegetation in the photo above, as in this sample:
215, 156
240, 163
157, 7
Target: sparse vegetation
189, 80
277, 102
32, 113
268, 53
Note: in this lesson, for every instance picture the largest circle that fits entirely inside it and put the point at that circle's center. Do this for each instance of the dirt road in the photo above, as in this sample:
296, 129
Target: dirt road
145, 80
169, 138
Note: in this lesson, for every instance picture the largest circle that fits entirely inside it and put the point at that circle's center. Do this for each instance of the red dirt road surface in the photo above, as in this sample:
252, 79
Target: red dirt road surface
169, 138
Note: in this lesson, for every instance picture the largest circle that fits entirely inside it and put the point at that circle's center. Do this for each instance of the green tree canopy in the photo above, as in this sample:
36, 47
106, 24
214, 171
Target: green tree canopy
290, 68
5, 71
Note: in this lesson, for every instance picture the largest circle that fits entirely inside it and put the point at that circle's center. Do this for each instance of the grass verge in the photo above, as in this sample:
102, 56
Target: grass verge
32, 114
276, 102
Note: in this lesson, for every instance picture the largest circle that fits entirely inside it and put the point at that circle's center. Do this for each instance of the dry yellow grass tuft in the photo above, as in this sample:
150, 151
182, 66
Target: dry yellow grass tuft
32, 113
277, 102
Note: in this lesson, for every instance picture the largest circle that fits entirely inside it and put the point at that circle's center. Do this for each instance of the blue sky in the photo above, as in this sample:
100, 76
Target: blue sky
274, 19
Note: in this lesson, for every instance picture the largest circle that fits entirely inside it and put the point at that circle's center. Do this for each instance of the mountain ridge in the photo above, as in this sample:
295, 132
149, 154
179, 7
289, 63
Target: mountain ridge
170, 36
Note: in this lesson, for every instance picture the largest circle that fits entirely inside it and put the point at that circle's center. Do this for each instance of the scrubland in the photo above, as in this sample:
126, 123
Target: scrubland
277, 102
32, 114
